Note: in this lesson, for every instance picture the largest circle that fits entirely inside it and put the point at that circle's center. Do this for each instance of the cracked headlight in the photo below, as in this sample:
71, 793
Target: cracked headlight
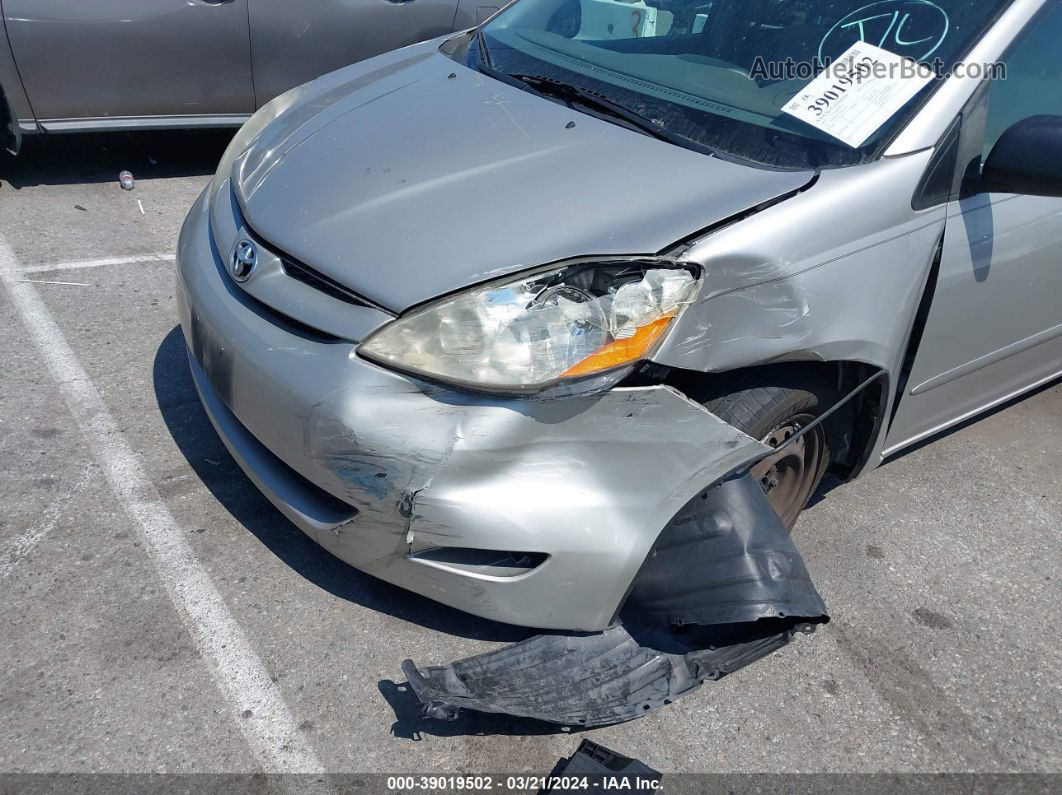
586, 320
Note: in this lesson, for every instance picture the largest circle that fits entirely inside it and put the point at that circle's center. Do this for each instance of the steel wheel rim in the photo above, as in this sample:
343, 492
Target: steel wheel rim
788, 476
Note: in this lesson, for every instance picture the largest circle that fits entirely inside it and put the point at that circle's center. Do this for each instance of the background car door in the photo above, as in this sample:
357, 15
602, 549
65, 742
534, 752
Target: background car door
295, 42
131, 58
995, 325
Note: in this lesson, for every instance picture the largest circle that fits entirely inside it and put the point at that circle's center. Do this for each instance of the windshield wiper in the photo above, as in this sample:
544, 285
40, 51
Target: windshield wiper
484, 54
548, 86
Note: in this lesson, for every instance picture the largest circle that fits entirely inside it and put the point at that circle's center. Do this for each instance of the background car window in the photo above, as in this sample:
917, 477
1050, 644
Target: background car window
1033, 82
776, 29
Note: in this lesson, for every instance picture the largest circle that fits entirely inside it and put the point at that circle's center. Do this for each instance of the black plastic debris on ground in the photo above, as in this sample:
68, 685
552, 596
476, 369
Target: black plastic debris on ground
724, 586
601, 769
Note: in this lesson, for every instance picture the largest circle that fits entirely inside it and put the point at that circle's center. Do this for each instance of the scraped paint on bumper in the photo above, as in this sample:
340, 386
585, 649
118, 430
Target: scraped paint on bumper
537, 513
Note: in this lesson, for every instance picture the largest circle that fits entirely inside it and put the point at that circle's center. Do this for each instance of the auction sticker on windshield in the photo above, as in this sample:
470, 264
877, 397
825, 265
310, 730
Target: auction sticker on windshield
859, 92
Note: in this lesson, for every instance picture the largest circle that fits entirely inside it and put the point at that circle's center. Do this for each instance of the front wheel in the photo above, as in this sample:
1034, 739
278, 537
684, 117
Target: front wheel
773, 408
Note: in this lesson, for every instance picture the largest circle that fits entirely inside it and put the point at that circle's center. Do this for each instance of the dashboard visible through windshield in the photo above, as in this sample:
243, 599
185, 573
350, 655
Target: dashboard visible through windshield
715, 74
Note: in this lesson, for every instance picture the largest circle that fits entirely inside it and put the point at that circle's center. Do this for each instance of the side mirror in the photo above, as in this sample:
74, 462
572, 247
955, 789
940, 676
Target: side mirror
1027, 158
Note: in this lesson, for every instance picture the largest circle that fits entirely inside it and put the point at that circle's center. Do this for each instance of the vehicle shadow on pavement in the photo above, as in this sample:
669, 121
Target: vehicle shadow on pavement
76, 159
191, 430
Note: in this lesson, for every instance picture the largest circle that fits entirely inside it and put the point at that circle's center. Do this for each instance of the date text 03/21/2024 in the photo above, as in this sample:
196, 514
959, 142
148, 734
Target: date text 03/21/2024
521, 783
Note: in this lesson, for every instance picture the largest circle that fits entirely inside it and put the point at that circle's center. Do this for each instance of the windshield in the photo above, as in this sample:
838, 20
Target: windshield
715, 74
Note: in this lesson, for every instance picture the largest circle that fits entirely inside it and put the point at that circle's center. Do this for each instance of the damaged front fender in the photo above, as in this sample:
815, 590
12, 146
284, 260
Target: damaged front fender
723, 586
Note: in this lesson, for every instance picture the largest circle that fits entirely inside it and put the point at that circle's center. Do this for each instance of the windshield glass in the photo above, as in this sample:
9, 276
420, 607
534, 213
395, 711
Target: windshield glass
715, 74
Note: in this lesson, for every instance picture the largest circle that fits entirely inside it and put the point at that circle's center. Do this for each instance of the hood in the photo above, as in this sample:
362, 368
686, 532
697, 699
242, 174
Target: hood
410, 176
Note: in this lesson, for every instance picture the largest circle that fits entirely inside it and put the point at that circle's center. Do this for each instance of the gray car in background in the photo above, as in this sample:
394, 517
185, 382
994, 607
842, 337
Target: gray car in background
83, 65
562, 321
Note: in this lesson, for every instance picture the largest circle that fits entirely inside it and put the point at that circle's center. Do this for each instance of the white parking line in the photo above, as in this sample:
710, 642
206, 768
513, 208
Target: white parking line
62, 284
258, 706
77, 264
21, 546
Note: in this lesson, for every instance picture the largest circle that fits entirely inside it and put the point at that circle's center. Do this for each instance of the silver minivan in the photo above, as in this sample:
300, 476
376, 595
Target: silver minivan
561, 321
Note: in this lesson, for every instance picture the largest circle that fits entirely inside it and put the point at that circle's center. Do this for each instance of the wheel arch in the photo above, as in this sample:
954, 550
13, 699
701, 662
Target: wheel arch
854, 429
16, 111
10, 131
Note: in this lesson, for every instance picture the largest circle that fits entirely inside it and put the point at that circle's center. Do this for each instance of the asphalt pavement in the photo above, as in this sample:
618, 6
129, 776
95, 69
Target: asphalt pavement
941, 569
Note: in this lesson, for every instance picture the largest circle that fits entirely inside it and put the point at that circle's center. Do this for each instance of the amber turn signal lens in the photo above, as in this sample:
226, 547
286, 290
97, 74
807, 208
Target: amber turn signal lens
620, 352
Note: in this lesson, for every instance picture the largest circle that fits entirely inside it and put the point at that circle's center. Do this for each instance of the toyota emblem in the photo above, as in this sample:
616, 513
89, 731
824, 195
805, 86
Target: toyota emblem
244, 259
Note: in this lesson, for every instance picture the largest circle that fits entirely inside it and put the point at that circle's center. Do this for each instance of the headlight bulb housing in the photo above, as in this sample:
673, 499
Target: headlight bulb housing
590, 319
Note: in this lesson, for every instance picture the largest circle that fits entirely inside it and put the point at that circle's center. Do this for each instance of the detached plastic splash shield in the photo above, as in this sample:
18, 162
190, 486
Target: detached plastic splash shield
724, 586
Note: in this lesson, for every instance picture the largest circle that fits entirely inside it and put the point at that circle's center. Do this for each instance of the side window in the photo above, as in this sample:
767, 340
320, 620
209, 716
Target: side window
1033, 82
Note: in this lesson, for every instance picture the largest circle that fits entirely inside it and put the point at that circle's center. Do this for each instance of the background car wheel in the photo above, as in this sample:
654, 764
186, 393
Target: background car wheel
772, 405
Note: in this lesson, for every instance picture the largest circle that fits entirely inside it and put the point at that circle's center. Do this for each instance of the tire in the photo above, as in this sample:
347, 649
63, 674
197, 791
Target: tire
771, 404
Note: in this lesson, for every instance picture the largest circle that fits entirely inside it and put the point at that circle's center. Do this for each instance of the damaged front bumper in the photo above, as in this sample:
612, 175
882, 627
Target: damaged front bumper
550, 514
536, 513
724, 586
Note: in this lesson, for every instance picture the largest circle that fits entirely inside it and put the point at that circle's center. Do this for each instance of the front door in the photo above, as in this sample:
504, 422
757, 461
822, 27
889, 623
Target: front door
995, 324
295, 42
115, 59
